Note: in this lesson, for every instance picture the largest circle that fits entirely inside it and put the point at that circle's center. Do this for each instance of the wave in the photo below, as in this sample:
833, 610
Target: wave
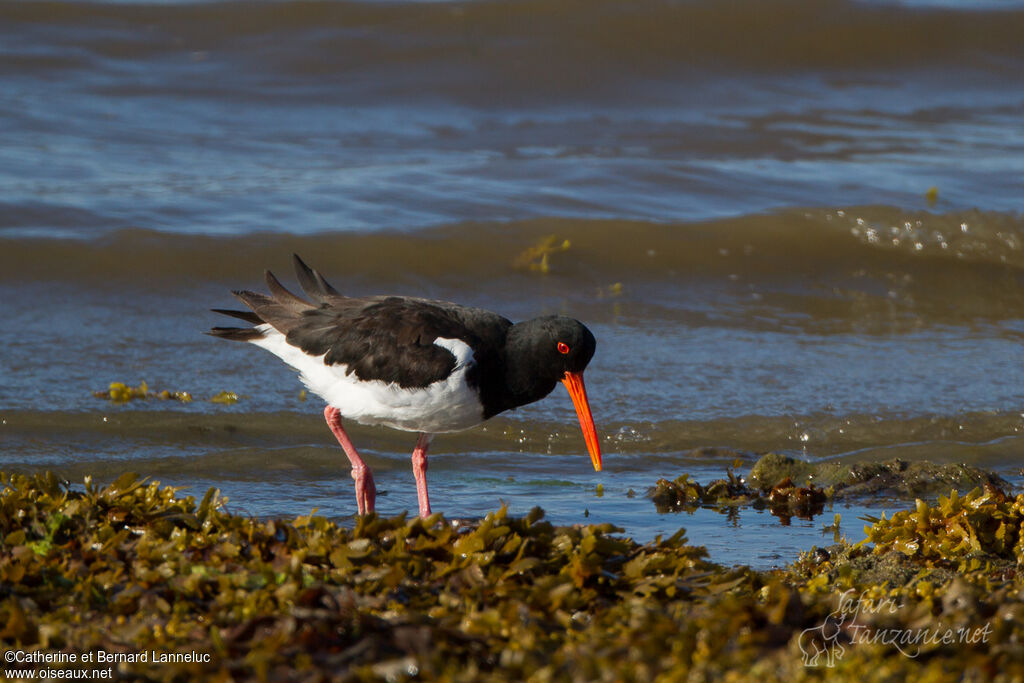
799, 242
523, 40
992, 438
860, 270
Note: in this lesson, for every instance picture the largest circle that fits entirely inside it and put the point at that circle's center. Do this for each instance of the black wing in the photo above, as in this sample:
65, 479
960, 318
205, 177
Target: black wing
386, 338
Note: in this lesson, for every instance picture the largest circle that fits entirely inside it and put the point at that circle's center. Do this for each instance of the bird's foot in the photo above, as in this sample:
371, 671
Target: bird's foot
366, 491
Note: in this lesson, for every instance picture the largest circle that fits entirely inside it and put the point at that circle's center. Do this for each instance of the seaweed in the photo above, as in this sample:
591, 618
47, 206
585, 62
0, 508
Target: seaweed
538, 256
784, 500
119, 392
771, 484
134, 568
958, 531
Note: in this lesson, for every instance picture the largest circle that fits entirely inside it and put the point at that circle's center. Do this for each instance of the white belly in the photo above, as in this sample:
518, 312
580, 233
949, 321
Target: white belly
448, 405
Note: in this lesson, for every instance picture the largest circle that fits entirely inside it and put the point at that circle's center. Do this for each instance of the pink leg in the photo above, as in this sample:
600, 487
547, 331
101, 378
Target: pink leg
366, 492
419, 470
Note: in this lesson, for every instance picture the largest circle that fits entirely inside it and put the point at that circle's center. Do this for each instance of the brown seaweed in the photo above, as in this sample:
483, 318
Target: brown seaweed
133, 567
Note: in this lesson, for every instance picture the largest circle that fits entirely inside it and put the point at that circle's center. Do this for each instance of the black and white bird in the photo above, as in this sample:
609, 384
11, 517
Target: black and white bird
413, 364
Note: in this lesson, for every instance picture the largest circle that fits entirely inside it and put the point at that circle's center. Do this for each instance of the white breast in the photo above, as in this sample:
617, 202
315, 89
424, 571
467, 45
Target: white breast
447, 405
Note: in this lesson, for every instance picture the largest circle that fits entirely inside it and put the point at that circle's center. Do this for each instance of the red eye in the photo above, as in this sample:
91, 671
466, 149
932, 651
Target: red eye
563, 348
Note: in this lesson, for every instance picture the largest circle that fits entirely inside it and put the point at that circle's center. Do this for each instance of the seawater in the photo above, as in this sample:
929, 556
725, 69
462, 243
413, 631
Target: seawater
793, 226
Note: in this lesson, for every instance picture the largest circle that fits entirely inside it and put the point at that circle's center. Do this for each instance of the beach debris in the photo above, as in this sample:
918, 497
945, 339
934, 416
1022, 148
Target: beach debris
537, 257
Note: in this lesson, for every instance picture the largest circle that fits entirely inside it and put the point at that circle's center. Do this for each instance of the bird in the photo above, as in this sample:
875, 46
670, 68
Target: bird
412, 364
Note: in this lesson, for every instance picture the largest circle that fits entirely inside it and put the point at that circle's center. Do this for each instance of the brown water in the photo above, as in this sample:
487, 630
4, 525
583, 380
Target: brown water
744, 186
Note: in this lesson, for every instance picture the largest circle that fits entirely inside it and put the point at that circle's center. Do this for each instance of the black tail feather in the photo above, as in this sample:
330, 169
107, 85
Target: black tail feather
247, 316
279, 292
312, 282
281, 309
254, 300
236, 333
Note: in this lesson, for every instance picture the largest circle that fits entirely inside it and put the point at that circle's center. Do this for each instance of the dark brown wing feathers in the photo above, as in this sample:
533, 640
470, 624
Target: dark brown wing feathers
386, 338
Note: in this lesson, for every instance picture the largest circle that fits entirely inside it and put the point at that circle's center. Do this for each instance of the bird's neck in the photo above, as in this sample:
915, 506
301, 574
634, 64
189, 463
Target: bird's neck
524, 382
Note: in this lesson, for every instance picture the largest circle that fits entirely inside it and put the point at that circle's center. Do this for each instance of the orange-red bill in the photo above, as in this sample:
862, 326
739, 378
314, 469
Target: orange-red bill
573, 381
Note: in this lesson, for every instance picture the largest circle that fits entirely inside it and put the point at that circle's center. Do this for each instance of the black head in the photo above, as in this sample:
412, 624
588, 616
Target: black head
544, 351
540, 351
554, 345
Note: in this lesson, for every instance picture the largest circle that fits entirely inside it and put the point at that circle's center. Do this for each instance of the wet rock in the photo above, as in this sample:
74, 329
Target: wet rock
773, 468
895, 477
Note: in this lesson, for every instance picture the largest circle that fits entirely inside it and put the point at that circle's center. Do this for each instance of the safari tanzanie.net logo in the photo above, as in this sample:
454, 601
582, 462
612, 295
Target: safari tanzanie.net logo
825, 644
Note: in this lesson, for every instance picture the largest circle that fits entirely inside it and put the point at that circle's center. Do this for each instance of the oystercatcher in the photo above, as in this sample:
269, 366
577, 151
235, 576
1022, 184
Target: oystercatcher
413, 364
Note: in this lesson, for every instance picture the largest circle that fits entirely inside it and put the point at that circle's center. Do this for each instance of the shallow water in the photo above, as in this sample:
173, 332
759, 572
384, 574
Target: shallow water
745, 190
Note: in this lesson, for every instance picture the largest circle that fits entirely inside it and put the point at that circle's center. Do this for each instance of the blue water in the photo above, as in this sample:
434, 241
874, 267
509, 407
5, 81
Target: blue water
794, 227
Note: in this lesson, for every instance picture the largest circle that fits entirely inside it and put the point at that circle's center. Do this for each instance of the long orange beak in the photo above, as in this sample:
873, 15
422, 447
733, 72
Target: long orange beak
573, 381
